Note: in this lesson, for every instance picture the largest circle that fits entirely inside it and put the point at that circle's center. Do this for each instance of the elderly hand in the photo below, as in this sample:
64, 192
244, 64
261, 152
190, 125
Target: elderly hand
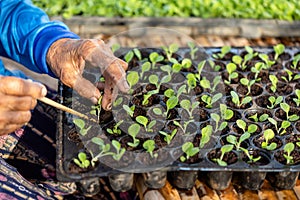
18, 97
68, 57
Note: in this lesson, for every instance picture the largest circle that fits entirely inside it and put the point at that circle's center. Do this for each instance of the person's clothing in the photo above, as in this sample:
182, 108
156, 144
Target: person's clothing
26, 35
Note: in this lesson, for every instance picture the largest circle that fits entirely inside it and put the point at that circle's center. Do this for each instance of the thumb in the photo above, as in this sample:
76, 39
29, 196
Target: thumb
86, 89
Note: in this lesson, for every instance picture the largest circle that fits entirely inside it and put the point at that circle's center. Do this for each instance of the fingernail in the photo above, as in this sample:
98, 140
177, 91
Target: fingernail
44, 91
94, 100
108, 107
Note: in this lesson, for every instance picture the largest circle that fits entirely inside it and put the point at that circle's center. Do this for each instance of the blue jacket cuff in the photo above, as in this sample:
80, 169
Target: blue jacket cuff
43, 42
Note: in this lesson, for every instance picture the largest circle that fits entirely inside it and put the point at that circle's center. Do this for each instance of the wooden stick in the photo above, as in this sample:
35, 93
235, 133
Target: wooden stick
65, 108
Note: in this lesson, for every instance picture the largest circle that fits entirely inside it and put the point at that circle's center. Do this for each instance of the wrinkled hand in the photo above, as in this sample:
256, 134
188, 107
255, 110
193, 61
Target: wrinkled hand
18, 97
68, 57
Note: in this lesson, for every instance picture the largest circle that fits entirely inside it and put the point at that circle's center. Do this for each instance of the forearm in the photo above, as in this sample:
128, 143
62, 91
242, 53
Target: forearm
27, 33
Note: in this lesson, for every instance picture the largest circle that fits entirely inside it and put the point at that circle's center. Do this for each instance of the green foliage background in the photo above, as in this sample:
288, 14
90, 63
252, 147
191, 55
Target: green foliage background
255, 9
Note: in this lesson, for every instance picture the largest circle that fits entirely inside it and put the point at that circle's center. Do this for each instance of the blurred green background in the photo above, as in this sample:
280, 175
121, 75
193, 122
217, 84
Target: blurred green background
252, 9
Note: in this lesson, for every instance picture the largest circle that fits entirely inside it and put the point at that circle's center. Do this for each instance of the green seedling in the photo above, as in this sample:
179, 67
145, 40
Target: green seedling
186, 63
206, 133
145, 122
82, 160
215, 67
149, 145
250, 157
176, 67
226, 114
261, 118
115, 129
265, 58
206, 84
104, 150
284, 125
297, 100
170, 92
248, 83
191, 81
274, 81
193, 49
189, 150
171, 103
268, 135
279, 49
133, 130
155, 58
236, 99
129, 110
137, 53
119, 150
256, 70
170, 50
295, 62
242, 62
224, 51
96, 109
81, 125
189, 107
118, 102
224, 149
145, 68
242, 125
147, 96
211, 100
290, 76
168, 137
232, 74
132, 79
217, 118
200, 67
286, 108
238, 141
128, 57
115, 47
288, 148
184, 126
153, 79
274, 101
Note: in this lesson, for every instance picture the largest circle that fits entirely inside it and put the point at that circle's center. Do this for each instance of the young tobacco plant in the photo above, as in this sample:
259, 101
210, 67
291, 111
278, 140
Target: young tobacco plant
193, 49
224, 149
155, 58
145, 122
129, 110
82, 160
242, 62
261, 118
297, 100
214, 66
189, 150
104, 150
279, 49
248, 83
171, 103
274, 101
216, 118
288, 148
119, 150
224, 51
206, 83
206, 133
115, 129
145, 68
286, 108
211, 100
268, 135
274, 81
256, 69
290, 76
184, 126
170, 50
147, 96
226, 114
133, 130
236, 99
132, 79
284, 125
168, 137
295, 62
81, 125
153, 79
189, 107
149, 145
242, 125
191, 81
267, 61
232, 74
237, 142
251, 158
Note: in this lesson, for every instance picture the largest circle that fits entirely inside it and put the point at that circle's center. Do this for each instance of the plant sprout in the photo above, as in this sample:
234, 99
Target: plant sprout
279, 49
206, 84
147, 96
265, 58
153, 79
224, 51
217, 119
155, 58
189, 150
295, 62
288, 148
168, 137
211, 100
137, 53
104, 149
215, 67
205, 135
132, 79
226, 114
243, 61
144, 121
256, 70
82, 160
145, 68
261, 118
149, 145
118, 102
236, 99
274, 81
129, 110
231, 69
200, 67
184, 126
286, 108
81, 125
297, 100
268, 135
193, 49
237, 142
224, 149
291, 76
115, 47
115, 129
274, 101
133, 130
191, 81
128, 57
186, 63
242, 125
189, 107
119, 150
250, 157
248, 83
169, 51
282, 129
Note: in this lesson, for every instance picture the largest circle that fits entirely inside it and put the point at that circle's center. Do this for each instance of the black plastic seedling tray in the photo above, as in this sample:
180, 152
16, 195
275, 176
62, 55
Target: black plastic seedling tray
167, 157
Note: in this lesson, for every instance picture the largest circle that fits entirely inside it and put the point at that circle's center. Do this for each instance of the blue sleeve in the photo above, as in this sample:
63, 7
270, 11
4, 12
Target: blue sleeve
27, 33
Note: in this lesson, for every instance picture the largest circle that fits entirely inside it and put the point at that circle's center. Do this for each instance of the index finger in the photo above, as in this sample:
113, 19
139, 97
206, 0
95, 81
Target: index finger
21, 87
